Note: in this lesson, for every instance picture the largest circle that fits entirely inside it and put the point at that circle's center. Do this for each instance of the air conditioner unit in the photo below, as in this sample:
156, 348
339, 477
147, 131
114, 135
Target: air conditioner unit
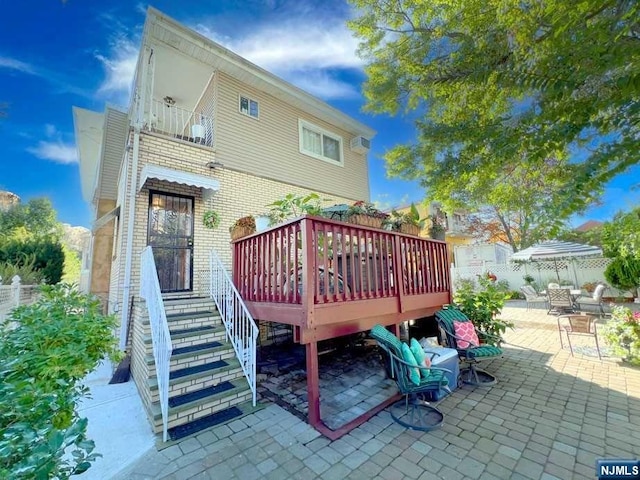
360, 144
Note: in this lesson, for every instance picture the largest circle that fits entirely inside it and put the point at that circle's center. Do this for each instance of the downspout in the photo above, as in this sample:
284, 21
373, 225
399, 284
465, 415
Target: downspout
129, 245
126, 291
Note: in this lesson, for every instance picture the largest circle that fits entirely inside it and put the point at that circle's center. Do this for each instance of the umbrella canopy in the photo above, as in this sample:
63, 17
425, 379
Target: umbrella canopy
556, 250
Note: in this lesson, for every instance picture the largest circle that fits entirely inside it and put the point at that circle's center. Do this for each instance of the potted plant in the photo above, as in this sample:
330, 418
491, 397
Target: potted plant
242, 227
211, 219
622, 333
437, 229
292, 206
409, 222
365, 214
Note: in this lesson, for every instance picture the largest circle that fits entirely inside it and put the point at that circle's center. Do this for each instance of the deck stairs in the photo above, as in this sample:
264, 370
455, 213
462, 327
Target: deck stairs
206, 383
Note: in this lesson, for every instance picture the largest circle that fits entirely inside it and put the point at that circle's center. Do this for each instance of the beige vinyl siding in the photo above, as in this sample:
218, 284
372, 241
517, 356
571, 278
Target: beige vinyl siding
269, 146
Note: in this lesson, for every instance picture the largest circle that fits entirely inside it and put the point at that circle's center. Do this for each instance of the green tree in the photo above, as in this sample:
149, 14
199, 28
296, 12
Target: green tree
35, 219
621, 241
506, 88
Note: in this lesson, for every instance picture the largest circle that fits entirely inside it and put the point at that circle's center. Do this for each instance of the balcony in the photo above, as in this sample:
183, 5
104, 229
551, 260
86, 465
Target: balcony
176, 122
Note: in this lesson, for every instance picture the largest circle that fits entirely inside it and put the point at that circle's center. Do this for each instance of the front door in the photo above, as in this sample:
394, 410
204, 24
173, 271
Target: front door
171, 237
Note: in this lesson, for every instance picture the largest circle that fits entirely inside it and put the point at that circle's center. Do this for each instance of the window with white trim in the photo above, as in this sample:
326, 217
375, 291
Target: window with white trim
248, 106
319, 143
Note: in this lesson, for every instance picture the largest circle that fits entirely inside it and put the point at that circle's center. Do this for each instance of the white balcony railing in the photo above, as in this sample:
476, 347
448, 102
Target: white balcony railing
160, 336
239, 324
177, 122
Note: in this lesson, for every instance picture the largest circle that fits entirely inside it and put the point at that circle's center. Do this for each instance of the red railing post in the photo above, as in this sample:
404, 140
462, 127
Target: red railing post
308, 271
398, 271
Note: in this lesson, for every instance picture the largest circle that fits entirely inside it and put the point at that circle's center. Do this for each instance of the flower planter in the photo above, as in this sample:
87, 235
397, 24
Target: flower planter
410, 229
365, 221
240, 232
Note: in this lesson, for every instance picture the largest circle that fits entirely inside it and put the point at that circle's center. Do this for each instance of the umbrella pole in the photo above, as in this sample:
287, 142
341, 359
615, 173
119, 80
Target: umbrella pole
575, 272
555, 264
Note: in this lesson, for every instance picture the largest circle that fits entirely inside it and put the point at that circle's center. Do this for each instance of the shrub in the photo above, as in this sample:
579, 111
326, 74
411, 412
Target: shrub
27, 273
622, 333
623, 273
45, 350
48, 257
482, 306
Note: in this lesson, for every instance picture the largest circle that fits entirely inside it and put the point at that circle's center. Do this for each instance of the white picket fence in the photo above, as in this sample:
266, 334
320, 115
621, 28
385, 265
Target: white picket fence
576, 271
15, 294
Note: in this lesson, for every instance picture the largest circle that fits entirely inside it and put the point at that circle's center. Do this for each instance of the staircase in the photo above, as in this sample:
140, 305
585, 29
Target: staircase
206, 382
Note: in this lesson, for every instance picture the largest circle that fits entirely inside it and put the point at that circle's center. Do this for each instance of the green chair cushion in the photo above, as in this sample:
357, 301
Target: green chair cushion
407, 356
383, 335
421, 357
484, 351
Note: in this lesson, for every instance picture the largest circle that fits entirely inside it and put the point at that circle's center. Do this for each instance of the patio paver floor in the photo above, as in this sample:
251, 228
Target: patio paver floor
550, 417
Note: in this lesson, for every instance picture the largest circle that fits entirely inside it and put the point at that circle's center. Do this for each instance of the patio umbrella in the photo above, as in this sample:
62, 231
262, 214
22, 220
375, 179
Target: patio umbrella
556, 250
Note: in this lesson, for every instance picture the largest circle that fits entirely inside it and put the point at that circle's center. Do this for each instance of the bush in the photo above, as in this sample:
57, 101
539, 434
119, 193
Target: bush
622, 333
45, 350
623, 273
48, 257
482, 306
27, 273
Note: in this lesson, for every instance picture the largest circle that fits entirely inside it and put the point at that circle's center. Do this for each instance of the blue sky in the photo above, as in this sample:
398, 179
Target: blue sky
54, 55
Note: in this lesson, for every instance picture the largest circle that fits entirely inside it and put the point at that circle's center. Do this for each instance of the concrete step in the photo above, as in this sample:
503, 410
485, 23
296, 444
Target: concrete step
192, 336
203, 402
194, 355
193, 378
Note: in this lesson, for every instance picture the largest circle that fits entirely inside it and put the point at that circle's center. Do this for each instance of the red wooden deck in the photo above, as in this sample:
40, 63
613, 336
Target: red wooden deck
359, 276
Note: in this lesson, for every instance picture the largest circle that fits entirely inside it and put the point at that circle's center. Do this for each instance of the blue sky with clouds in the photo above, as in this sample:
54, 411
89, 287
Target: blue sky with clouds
55, 54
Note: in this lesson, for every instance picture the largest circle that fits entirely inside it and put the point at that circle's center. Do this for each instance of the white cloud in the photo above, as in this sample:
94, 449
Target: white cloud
50, 130
322, 84
13, 64
56, 151
299, 48
119, 67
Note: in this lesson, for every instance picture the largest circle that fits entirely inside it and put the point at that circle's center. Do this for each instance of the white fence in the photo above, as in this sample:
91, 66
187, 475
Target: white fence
576, 271
15, 294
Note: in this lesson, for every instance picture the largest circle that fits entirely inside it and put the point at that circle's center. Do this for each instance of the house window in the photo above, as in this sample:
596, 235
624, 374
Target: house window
249, 107
319, 143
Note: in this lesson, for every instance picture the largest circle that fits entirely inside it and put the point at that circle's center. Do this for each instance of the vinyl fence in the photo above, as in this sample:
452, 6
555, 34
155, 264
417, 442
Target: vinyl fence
15, 294
574, 271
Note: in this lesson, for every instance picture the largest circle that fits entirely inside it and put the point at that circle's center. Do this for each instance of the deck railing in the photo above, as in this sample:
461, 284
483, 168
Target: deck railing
241, 329
179, 123
360, 263
161, 338
14, 295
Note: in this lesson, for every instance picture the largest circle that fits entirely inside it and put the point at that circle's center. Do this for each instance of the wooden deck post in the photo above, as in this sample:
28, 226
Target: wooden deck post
313, 384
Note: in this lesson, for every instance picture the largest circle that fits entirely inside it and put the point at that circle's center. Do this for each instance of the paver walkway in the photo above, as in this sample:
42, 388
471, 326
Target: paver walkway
550, 416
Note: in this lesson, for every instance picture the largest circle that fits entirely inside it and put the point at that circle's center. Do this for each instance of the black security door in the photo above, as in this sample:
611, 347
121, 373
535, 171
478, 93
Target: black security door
171, 236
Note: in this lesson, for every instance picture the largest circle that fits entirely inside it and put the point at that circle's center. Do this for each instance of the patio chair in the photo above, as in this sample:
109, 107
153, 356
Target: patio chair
584, 325
560, 301
471, 354
594, 301
414, 411
531, 296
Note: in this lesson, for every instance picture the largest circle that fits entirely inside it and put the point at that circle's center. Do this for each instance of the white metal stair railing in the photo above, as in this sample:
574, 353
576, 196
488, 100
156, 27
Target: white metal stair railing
239, 324
161, 338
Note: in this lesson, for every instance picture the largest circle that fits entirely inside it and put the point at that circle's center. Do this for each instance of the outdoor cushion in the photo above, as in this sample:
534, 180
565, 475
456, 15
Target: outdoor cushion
407, 356
484, 351
421, 357
380, 333
466, 333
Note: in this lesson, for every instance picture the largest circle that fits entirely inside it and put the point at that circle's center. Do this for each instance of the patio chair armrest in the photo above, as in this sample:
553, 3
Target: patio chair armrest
433, 355
484, 334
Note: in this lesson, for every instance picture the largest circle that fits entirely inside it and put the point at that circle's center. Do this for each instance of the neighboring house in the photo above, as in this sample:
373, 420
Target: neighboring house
208, 130
455, 225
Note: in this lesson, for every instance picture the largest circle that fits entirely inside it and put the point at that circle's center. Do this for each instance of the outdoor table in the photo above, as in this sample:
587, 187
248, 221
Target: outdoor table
445, 358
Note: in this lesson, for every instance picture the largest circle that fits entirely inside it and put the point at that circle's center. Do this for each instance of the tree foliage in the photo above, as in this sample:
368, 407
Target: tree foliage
506, 91
35, 219
621, 236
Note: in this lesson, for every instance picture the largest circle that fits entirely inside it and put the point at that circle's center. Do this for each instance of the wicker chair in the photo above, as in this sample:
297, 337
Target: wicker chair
414, 411
471, 355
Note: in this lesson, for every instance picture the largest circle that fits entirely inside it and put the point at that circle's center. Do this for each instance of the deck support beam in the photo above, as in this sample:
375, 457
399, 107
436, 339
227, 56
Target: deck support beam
313, 384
